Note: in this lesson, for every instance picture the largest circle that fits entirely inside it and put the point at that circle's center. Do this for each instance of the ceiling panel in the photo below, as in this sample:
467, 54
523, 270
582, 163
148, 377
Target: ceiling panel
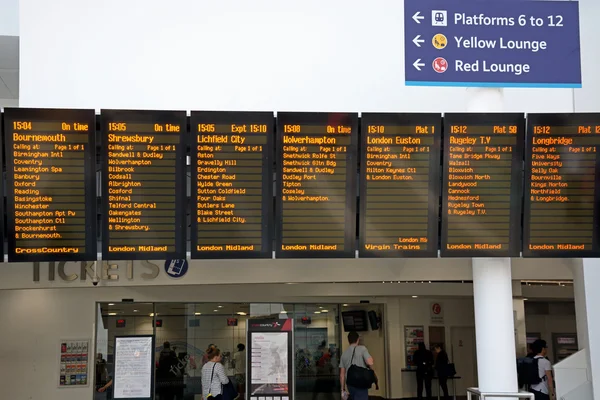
10, 81
9, 52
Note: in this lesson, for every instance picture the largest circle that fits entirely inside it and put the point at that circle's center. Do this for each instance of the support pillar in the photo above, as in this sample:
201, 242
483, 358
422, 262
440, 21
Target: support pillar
586, 280
494, 325
492, 291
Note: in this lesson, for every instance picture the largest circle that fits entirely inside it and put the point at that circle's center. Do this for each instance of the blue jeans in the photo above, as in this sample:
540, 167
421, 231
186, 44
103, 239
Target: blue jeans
358, 394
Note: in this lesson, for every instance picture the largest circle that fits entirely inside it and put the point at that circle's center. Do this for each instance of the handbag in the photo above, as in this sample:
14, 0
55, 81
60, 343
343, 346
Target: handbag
359, 377
228, 390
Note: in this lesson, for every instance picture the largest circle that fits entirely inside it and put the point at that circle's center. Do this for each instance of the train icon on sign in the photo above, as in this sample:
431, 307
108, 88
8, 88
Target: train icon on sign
439, 18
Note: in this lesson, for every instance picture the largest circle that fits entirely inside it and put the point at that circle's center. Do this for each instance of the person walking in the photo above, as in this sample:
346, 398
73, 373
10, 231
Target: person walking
423, 359
357, 355
213, 374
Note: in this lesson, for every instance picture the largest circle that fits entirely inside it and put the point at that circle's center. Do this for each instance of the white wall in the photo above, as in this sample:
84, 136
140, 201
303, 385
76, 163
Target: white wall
262, 55
206, 272
9, 17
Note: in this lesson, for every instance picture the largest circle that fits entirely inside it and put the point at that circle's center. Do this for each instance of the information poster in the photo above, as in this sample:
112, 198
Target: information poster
483, 182
74, 363
270, 359
399, 185
232, 184
51, 184
143, 185
134, 367
316, 184
561, 204
413, 335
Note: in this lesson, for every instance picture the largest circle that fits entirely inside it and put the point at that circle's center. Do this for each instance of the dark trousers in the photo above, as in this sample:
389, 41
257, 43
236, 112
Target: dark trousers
539, 395
166, 394
358, 394
423, 378
444, 387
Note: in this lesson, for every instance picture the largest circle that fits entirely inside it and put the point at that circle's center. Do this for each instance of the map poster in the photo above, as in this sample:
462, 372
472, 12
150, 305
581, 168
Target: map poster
270, 359
134, 367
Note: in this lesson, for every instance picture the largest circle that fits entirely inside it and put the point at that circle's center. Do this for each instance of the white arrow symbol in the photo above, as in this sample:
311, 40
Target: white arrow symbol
418, 64
418, 17
417, 41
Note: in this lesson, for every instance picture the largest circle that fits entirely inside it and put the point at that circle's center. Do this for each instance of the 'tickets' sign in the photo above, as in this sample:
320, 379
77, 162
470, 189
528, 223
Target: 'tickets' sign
271, 358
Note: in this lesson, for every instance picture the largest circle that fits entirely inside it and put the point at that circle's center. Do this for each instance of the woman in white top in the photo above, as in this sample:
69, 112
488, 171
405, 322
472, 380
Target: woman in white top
213, 374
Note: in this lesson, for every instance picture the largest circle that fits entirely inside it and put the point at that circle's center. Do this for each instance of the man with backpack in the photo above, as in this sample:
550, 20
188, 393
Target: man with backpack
536, 372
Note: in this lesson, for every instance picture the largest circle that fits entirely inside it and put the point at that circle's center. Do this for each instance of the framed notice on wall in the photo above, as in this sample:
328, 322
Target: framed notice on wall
270, 359
73, 362
413, 335
134, 367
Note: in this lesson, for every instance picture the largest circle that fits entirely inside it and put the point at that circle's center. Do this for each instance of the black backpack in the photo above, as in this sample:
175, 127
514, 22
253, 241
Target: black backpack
528, 371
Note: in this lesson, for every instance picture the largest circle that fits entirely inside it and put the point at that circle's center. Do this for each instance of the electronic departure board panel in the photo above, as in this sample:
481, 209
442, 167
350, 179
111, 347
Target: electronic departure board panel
316, 184
481, 194
232, 184
561, 198
399, 185
51, 184
143, 184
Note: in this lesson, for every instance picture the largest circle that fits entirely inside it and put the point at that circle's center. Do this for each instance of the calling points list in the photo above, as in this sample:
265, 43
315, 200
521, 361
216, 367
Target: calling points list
399, 182
561, 198
51, 189
316, 184
232, 184
481, 193
143, 184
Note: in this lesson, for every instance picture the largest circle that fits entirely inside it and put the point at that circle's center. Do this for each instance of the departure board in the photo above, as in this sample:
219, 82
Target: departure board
561, 199
399, 185
51, 184
143, 184
316, 184
232, 184
481, 193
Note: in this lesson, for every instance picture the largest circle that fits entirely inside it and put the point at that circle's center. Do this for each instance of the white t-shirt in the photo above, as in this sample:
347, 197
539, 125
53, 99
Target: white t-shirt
543, 366
240, 362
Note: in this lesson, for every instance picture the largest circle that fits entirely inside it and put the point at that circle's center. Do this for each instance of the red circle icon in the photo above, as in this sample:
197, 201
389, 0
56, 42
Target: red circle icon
440, 65
436, 308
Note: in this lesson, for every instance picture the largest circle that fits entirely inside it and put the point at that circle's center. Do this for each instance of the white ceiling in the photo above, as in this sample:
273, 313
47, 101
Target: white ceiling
9, 67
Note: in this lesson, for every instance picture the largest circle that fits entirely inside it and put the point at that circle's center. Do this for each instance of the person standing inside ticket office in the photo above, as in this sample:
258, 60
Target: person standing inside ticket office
423, 360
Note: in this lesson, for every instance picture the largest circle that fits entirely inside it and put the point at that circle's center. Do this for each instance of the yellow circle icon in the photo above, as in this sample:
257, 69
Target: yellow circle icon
439, 41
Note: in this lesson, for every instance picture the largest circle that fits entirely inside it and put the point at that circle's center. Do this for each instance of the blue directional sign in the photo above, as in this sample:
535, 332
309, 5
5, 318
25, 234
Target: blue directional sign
492, 43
